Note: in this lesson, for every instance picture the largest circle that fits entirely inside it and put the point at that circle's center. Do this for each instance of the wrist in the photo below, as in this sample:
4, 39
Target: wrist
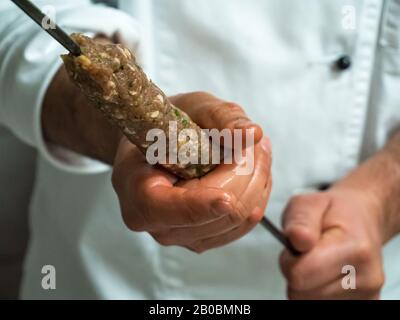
378, 181
391, 178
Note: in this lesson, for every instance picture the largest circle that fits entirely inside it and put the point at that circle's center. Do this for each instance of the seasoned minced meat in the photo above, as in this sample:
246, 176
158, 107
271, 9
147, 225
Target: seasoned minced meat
110, 77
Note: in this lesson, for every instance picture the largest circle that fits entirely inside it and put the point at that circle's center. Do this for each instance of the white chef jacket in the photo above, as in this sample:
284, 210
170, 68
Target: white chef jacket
274, 57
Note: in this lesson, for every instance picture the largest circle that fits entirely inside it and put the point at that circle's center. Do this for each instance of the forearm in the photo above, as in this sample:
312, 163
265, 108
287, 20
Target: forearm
392, 181
379, 178
70, 121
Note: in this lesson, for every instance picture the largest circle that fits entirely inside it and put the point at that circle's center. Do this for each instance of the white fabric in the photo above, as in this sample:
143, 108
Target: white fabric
271, 56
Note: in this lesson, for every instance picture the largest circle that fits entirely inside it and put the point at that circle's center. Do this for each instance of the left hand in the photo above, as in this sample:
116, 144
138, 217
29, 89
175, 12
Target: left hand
198, 214
339, 227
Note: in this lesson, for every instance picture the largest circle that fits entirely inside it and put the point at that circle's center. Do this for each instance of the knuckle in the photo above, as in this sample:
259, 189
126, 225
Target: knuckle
292, 207
232, 107
374, 283
217, 112
295, 201
222, 109
146, 189
132, 222
133, 219
197, 248
257, 218
137, 227
198, 93
308, 200
163, 239
363, 252
231, 208
115, 179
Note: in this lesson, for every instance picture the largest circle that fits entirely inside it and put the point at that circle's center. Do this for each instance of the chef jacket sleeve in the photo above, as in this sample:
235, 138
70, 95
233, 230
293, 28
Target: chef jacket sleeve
29, 59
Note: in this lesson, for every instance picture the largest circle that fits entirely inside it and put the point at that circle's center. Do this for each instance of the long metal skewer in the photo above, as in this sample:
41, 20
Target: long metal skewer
54, 30
279, 236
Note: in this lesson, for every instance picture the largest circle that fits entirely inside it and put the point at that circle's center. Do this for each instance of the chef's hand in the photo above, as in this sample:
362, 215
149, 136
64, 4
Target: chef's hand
339, 227
198, 214
345, 226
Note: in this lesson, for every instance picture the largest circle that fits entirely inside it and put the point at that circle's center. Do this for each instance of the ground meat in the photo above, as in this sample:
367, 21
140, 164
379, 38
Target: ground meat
110, 77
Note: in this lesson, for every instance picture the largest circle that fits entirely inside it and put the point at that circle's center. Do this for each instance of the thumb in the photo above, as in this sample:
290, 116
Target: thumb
302, 220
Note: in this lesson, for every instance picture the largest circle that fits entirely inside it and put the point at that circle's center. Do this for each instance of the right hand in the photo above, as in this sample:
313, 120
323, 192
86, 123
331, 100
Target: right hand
198, 214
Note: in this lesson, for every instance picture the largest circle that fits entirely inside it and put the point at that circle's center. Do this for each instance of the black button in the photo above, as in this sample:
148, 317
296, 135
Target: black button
343, 63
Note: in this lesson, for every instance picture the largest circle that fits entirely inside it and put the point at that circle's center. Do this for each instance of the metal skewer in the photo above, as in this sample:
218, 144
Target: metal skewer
56, 32
279, 236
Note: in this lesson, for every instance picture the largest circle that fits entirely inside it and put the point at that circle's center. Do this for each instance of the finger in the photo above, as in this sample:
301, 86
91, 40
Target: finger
260, 180
130, 162
178, 207
258, 189
146, 191
213, 113
186, 235
302, 220
226, 238
244, 180
322, 265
